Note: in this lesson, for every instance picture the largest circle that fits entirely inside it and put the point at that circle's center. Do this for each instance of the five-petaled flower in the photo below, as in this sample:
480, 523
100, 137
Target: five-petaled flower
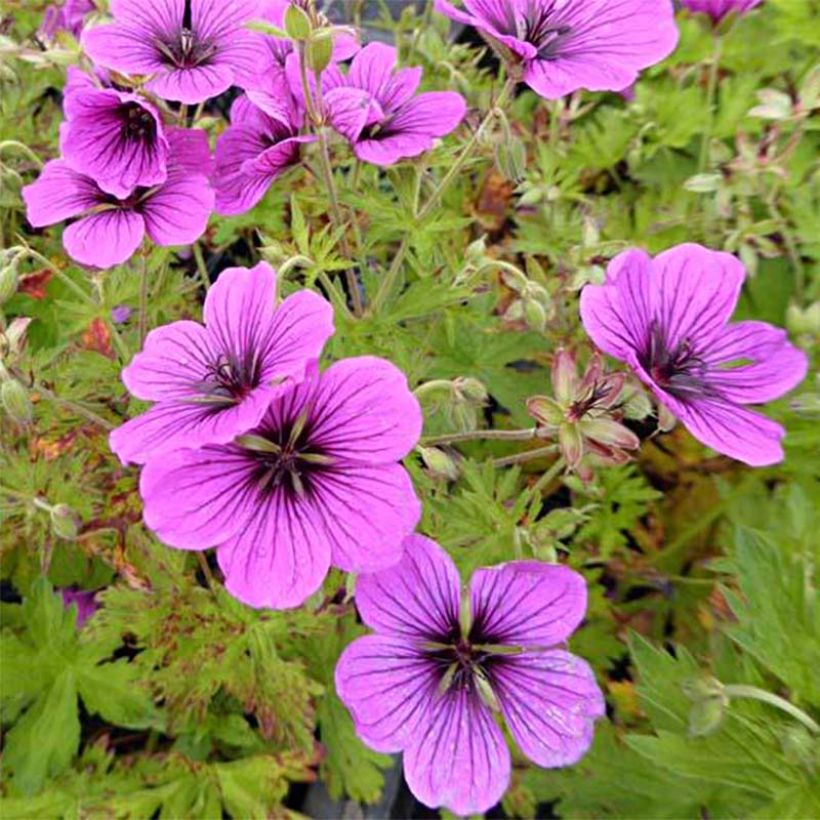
667, 319
718, 9
214, 382
561, 46
107, 229
116, 138
375, 107
191, 49
316, 483
254, 151
428, 681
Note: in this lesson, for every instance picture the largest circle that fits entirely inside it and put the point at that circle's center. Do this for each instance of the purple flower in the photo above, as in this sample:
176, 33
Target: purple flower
427, 683
108, 230
376, 108
120, 314
67, 16
254, 151
667, 319
564, 45
718, 9
214, 382
84, 600
115, 138
194, 49
316, 483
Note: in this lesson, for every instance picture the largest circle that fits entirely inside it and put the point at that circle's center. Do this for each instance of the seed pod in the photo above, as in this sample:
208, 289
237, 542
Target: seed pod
439, 463
319, 53
297, 23
64, 522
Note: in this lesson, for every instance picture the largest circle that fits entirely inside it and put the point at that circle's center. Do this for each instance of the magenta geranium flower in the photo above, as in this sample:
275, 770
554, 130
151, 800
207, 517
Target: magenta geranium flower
667, 319
394, 122
316, 483
564, 45
115, 138
254, 151
428, 681
107, 230
192, 49
213, 382
718, 9
67, 16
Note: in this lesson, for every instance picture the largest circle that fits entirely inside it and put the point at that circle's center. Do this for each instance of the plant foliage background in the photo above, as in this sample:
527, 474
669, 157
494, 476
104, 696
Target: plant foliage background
174, 700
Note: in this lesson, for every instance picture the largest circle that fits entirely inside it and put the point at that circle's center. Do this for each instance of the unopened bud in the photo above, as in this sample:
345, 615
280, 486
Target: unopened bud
8, 282
709, 704
804, 321
666, 420
15, 401
511, 158
319, 53
475, 251
471, 389
439, 463
297, 23
535, 315
64, 522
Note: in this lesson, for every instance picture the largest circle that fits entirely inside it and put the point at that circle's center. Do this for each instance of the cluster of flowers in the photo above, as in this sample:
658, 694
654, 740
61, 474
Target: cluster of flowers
287, 470
126, 170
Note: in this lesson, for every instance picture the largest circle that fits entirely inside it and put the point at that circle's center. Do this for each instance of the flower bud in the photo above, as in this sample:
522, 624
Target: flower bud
15, 401
535, 315
439, 463
8, 282
804, 321
471, 389
64, 522
709, 703
319, 52
297, 23
511, 158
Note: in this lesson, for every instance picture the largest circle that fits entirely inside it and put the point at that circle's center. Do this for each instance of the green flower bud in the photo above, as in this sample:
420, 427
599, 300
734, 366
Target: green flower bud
439, 463
64, 522
15, 401
297, 23
319, 52
535, 315
472, 389
511, 158
8, 283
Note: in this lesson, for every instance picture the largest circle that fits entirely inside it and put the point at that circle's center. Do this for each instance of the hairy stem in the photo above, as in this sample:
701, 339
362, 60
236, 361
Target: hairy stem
711, 92
739, 690
143, 305
547, 478
201, 267
476, 435
84, 412
527, 455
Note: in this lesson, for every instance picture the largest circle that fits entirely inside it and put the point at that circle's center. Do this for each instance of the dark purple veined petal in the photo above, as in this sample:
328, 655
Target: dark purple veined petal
527, 603
754, 362
191, 85
190, 150
363, 411
374, 70
196, 499
350, 109
173, 357
280, 556
550, 701
122, 47
104, 239
389, 688
697, 292
59, 193
417, 599
170, 425
155, 16
618, 314
460, 760
368, 509
115, 138
177, 212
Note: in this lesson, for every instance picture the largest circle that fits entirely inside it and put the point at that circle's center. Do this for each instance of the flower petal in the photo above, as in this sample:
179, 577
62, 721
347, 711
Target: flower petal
417, 598
772, 365
461, 760
177, 213
59, 193
170, 425
158, 17
617, 315
174, 357
730, 429
698, 290
364, 411
196, 499
527, 603
191, 85
389, 688
104, 239
243, 320
122, 47
280, 556
550, 701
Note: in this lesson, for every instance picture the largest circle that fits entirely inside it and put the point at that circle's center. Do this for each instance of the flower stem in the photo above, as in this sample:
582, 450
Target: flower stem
61, 275
739, 690
143, 306
547, 478
475, 435
527, 455
711, 91
390, 277
201, 267
90, 415
206, 571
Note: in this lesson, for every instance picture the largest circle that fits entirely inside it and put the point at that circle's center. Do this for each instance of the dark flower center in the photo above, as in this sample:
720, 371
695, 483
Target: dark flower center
285, 459
679, 371
539, 28
137, 123
186, 50
228, 379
